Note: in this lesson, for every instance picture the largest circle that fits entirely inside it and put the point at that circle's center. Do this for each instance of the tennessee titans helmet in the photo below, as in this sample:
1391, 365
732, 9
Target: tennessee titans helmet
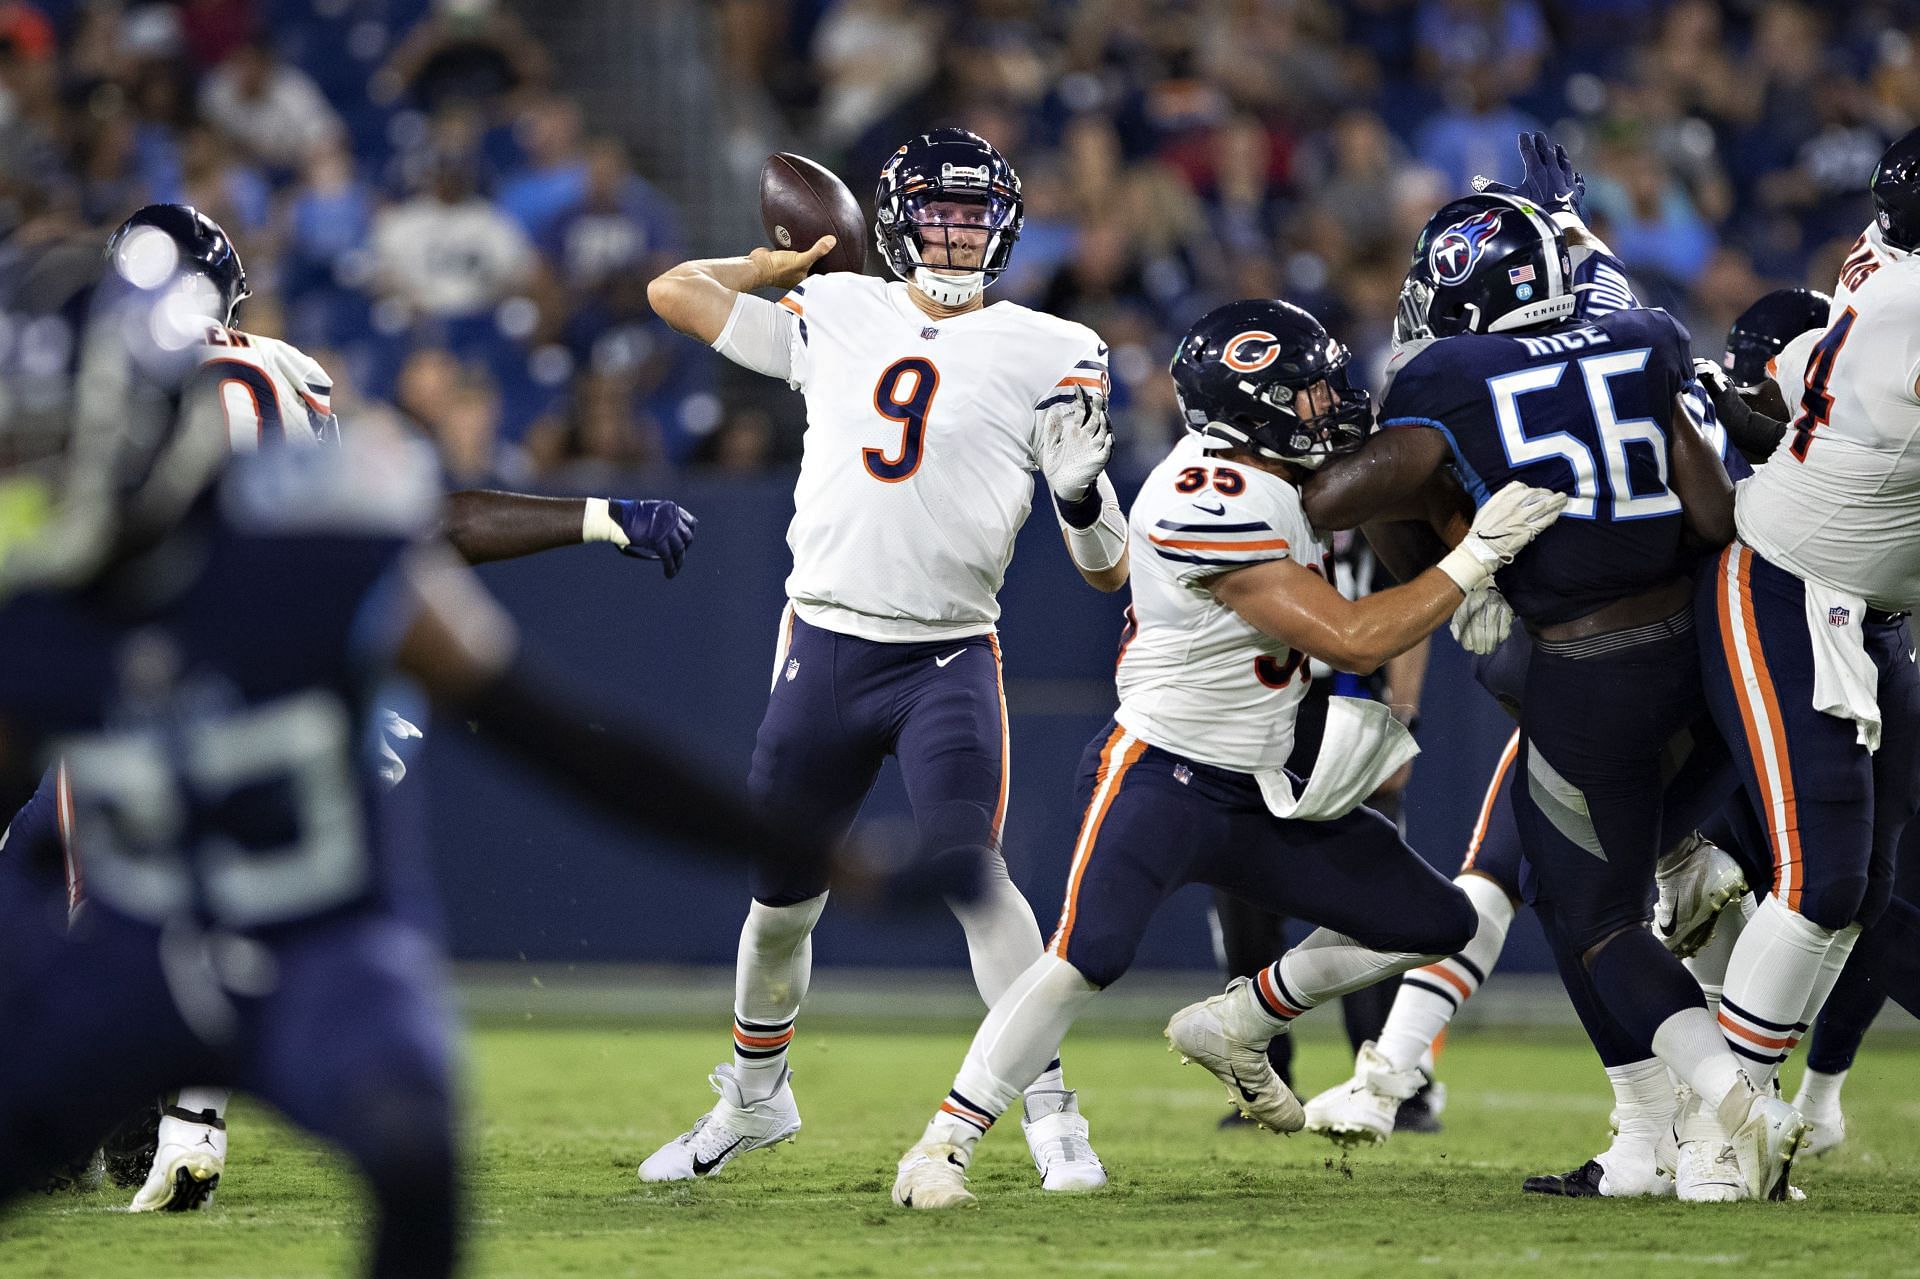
1243, 374
946, 167
1768, 325
197, 244
1486, 263
1896, 193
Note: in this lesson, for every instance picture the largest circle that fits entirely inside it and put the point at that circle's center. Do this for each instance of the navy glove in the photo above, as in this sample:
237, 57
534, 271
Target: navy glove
655, 529
1549, 180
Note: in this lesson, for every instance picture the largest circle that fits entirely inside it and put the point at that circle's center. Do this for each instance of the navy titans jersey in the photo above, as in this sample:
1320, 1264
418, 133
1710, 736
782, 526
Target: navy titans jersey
213, 699
1575, 408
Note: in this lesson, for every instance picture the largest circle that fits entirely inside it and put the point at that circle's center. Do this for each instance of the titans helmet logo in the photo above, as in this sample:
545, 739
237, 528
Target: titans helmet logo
1457, 249
1250, 351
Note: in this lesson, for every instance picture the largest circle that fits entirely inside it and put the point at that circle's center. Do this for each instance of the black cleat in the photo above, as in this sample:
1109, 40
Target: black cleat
1416, 1113
189, 1193
1582, 1183
131, 1146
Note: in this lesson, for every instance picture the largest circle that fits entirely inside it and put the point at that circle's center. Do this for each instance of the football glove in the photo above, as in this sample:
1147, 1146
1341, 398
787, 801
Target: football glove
655, 530
1076, 439
394, 728
1548, 178
1504, 526
1482, 621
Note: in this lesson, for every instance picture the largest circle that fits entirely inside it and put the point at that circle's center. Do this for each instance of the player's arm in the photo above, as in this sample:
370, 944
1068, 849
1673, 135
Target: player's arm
1699, 480
1382, 479
1298, 607
1076, 439
698, 298
462, 648
484, 526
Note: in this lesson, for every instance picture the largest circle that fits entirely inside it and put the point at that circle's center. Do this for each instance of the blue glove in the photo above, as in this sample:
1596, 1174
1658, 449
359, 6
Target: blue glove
1551, 180
655, 529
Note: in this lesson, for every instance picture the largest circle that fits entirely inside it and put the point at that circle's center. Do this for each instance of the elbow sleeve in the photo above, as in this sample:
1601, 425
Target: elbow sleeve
759, 336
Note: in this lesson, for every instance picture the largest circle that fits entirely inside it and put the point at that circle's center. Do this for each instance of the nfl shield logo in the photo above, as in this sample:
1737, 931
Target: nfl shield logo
793, 667
1182, 774
929, 333
1837, 616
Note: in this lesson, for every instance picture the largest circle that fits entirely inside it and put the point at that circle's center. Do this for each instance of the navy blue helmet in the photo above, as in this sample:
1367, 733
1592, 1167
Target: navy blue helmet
938, 183
1768, 325
1896, 192
1246, 374
199, 245
1485, 263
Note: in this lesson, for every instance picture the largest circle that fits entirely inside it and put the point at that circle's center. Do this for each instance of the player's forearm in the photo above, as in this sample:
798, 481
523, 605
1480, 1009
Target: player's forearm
1381, 481
695, 298
1407, 679
484, 526
1385, 625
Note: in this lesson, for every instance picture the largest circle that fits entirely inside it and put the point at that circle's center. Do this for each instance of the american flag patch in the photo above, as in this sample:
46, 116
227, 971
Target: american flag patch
1838, 616
1519, 274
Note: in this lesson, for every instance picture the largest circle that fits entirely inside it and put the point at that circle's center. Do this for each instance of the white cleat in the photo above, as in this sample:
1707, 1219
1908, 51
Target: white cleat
732, 1128
1363, 1110
191, 1155
1223, 1034
1705, 1170
1826, 1125
1697, 880
1057, 1138
933, 1175
1765, 1144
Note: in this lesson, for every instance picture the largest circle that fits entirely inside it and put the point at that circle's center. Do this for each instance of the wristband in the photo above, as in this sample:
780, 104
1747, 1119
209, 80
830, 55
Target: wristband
598, 525
1101, 544
1466, 567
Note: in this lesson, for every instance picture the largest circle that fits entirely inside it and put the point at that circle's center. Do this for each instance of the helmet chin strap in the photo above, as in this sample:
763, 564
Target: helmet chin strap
947, 289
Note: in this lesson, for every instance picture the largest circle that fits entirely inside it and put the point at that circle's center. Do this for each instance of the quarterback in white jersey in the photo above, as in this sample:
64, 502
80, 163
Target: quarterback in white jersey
1189, 786
927, 414
1804, 637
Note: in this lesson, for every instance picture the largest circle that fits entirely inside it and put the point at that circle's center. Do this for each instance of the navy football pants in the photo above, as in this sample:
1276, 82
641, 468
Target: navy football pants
840, 705
1154, 821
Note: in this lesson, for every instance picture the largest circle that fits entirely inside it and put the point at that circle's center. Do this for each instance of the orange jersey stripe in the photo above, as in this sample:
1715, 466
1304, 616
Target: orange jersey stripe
1507, 756
1107, 782
1195, 544
1093, 382
1006, 740
1768, 746
793, 306
1272, 992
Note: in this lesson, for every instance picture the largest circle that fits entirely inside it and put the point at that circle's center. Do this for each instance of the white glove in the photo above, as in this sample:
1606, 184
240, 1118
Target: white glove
1076, 439
1482, 620
1511, 519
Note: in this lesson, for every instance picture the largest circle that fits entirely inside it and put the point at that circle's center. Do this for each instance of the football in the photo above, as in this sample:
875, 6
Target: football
800, 201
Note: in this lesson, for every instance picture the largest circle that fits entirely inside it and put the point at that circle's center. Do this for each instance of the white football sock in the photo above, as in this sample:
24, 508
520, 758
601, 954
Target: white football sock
1642, 1101
1819, 1090
1430, 996
1709, 964
1838, 953
196, 1100
1021, 1034
1690, 1044
1325, 964
1003, 937
769, 981
1770, 980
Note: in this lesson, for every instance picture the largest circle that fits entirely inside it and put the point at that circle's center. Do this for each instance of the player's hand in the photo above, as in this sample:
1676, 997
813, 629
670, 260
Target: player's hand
656, 530
1551, 180
1510, 520
394, 728
1076, 439
784, 268
1482, 621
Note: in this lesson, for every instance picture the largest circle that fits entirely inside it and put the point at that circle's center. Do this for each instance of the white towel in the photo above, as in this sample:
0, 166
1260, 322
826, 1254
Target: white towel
1363, 746
1846, 683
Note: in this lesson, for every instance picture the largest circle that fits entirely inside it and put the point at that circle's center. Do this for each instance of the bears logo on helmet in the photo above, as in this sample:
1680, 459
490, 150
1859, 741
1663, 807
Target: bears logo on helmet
1251, 351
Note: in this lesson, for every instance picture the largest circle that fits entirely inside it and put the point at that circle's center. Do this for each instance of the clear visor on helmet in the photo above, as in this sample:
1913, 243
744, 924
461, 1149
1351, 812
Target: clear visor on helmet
957, 231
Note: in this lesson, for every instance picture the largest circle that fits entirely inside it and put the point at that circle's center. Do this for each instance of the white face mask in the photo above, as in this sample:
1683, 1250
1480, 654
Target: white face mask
948, 288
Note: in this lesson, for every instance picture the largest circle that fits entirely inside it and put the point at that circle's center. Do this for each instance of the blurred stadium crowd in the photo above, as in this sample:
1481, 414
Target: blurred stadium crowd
423, 209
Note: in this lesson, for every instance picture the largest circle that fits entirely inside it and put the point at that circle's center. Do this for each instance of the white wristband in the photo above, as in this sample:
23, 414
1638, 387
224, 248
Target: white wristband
1465, 566
597, 524
1100, 545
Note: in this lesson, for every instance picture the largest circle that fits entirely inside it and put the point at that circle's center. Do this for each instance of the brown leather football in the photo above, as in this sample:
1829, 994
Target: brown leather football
800, 201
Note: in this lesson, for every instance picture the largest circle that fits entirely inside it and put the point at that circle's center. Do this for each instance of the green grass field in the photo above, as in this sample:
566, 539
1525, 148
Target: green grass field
559, 1118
